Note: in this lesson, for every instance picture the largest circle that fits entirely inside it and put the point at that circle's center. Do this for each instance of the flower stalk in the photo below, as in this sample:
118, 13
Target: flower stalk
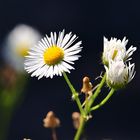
96, 93
103, 101
87, 109
80, 129
54, 136
9, 100
74, 93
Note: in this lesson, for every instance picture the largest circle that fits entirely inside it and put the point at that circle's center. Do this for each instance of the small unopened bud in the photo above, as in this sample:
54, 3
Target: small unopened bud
87, 86
51, 121
76, 119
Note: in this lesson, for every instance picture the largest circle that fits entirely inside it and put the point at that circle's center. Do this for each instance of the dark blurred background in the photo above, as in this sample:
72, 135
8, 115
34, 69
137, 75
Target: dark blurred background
119, 119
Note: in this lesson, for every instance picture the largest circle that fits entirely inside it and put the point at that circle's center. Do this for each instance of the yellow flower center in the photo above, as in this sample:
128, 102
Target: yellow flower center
22, 49
53, 55
114, 54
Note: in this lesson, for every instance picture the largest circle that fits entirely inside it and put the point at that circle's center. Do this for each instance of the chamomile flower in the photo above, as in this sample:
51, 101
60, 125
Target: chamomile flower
119, 74
115, 49
53, 55
17, 44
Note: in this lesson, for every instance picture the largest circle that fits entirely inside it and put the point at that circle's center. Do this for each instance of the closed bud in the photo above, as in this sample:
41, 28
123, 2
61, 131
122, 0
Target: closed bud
119, 74
87, 86
51, 121
76, 119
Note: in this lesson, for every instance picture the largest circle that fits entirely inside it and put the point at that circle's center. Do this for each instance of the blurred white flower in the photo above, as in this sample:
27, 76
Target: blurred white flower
119, 74
116, 50
17, 44
53, 55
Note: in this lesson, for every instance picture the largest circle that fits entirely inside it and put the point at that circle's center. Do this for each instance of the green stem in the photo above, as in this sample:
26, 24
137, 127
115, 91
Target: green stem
5, 118
96, 93
9, 100
80, 129
54, 136
74, 93
104, 100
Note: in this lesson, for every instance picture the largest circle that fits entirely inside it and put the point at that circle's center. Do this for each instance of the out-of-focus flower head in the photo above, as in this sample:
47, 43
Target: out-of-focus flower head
119, 74
115, 49
76, 119
17, 44
51, 121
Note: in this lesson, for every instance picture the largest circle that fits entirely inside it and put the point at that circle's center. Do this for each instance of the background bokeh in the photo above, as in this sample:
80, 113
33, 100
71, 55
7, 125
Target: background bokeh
119, 119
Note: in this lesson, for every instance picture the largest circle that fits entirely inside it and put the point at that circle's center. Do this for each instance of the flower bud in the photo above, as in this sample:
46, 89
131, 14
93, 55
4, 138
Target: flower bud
87, 86
119, 74
51, 121
76, 119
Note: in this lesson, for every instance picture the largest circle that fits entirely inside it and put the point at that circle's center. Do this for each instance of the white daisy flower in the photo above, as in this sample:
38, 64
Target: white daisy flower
53, 55
119, 74
18, 42
116, 50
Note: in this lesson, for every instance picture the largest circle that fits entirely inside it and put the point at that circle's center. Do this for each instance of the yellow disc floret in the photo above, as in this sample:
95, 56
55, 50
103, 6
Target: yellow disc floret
114, 54
22, 49
53, 55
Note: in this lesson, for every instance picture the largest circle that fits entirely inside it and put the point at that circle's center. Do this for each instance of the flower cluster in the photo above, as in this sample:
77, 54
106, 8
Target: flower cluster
55, 55
116, 60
